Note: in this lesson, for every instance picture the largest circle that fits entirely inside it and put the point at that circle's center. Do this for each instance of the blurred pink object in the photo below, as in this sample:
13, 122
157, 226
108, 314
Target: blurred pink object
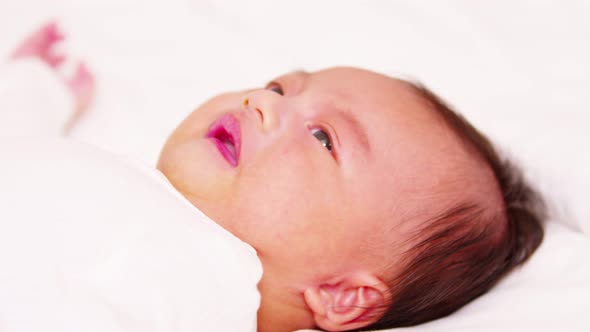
42, 44
82, 85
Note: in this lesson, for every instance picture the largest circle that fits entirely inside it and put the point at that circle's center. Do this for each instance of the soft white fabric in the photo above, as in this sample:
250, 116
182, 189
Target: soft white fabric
517, 69
92, 242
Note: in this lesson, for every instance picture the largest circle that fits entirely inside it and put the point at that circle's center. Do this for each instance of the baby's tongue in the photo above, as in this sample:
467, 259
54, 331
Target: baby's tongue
230, 147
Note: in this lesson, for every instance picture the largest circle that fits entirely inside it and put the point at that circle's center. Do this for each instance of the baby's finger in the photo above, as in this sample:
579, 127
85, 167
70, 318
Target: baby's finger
42, 44
53, 59
52, 31
82, 85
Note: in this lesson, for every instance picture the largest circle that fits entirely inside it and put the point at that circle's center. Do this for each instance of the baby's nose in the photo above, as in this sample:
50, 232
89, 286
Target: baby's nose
263, 103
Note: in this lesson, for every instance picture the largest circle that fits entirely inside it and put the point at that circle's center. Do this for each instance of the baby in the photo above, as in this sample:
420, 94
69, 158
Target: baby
371, 204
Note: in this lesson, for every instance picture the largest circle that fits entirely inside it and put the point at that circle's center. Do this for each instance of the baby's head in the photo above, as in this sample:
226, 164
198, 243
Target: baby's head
369, 202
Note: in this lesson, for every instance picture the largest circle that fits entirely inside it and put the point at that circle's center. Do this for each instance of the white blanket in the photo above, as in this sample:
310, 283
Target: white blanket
33, 101
91, 242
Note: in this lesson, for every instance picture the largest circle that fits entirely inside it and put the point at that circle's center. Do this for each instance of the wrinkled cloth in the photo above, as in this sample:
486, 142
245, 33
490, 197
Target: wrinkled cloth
90, 241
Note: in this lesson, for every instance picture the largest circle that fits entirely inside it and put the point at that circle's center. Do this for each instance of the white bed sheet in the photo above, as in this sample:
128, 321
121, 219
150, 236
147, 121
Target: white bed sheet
518, 69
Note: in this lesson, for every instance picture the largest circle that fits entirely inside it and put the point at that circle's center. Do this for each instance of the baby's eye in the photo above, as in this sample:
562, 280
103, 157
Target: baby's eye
323, 137
275, 87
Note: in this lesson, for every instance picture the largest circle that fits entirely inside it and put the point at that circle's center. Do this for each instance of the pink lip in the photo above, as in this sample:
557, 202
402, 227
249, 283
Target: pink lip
226, 135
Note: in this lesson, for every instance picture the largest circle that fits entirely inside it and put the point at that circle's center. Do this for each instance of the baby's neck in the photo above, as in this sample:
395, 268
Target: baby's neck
282, 309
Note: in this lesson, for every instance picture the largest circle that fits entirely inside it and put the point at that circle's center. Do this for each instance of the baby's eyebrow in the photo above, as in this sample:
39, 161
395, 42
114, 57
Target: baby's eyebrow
356, 128
297, 72
301, 74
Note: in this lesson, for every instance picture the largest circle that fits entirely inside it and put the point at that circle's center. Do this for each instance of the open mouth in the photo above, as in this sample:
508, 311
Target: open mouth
225, 134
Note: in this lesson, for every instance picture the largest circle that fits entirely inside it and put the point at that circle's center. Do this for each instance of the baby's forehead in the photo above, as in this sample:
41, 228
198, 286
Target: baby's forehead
355, 77
361, 91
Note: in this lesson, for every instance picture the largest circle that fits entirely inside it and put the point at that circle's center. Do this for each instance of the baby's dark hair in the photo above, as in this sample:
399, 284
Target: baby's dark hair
462, 253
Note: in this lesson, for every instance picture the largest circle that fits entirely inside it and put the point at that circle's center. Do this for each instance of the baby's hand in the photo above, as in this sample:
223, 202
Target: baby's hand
82, 86
42, 45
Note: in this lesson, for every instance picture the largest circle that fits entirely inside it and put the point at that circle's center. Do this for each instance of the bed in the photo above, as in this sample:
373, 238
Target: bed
519, 70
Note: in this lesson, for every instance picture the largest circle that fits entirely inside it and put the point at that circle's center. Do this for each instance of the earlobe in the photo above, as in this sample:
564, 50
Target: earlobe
351, 303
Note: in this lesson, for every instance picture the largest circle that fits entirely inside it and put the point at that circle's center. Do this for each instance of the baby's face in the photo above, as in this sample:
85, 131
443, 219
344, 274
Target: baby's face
322, 170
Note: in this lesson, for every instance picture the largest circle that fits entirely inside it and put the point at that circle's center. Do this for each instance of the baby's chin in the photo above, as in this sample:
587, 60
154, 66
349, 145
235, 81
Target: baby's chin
196, 172
206, 186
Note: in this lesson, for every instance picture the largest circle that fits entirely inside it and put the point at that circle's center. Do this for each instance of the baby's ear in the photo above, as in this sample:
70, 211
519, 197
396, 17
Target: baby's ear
351, 303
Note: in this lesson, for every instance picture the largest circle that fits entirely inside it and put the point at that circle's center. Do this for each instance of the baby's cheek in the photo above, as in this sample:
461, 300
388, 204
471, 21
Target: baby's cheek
193, 169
